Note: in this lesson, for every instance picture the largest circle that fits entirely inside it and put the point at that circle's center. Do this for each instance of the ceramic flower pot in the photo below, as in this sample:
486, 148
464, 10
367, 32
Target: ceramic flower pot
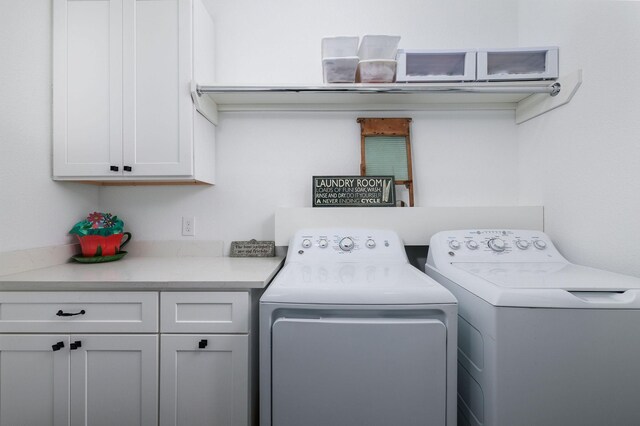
98, 245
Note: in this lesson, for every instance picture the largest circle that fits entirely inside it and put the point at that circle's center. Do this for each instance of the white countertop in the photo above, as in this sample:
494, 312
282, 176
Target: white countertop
150, 273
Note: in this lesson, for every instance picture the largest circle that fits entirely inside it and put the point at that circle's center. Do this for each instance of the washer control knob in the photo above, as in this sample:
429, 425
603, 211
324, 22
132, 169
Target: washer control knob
323, 243
522, 244
539, 244
346, 244
371, 243
306, 243
454, 244
472, 245
496, 244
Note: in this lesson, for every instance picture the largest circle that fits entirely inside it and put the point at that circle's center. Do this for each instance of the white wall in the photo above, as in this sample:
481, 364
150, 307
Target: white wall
582, 161
266, 160
278, 41
34, 210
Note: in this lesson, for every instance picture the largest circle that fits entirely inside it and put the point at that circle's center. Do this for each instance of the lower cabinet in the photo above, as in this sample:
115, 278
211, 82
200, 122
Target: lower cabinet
34, 380
78, 380
114, 380
204, 380
128, 358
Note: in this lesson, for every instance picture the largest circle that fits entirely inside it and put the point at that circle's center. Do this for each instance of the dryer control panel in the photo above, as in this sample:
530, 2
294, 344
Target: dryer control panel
345, 245
485, 245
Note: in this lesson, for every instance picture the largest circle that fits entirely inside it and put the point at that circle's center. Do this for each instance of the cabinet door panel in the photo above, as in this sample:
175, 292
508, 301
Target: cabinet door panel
114, 380
157, 105
87, 78
34, 385
204, 386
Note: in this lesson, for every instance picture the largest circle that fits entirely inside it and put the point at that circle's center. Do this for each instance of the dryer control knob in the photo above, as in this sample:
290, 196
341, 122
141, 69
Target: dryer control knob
539, 244
371, 243
522, 244
306, 243
346, 244
454, 244
323, 243
472, 245
496, 244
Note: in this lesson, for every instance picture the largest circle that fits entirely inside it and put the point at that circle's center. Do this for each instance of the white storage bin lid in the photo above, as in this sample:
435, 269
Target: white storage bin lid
378, 47
337, 47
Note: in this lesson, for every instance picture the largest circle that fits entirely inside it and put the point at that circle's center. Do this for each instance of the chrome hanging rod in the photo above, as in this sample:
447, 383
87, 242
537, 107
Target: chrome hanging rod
408, 88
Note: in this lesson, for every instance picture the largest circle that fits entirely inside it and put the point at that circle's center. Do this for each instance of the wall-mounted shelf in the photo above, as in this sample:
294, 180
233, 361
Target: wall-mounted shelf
529, 98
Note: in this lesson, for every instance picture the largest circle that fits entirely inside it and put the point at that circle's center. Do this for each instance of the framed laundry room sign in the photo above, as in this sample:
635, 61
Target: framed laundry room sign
354, 191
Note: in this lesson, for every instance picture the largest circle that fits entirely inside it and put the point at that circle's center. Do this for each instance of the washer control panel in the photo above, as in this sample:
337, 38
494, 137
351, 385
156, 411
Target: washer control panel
479, 245
345, 244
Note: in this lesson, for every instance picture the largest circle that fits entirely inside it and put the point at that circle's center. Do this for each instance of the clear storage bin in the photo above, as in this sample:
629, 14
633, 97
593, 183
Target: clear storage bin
535, 63
340, 70
436, 65
376, 71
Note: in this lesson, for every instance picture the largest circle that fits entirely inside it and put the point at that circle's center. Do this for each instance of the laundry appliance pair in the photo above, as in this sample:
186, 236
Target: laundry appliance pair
351, 334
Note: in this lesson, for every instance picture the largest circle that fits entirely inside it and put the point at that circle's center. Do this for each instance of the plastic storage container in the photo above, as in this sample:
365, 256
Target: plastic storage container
376, 71
340, 70
339, 59
532, 63
436, 65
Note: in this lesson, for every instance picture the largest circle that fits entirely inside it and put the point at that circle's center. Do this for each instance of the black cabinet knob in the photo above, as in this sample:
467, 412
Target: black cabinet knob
75, 345
114, 168
57, 346
127, 168
202, 343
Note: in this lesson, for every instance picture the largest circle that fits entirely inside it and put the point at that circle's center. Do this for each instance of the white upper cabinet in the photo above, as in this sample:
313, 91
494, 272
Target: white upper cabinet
122, 71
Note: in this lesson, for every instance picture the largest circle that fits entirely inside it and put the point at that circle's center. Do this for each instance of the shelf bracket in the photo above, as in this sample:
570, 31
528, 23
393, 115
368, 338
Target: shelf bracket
537, 104
204, 104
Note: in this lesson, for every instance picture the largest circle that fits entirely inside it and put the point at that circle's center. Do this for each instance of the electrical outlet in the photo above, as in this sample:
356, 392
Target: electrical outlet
188, 226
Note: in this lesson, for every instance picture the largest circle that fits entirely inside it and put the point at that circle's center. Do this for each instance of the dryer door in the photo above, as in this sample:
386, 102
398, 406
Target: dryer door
358, 371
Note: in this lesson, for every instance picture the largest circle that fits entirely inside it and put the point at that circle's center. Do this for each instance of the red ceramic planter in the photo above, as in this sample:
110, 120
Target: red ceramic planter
97, 245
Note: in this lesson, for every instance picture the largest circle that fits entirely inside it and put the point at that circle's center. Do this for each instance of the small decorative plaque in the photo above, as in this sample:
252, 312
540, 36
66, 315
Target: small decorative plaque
253, 248
354, 191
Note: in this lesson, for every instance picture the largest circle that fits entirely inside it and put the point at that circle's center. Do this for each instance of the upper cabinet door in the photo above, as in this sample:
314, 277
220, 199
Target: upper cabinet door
158, 111
87, 81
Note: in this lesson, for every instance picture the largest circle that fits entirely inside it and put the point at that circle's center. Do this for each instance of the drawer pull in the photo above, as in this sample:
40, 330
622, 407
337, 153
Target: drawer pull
75, 345
58, 346
67, 314
202, 343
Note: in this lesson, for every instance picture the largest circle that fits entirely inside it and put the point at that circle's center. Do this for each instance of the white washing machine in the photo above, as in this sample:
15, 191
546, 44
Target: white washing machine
541, 341
352, 335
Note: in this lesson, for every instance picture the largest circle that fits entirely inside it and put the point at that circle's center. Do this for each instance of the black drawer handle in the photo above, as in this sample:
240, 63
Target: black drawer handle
114, 168
67, 314
127, 168
75, 345
202, 343
57, 346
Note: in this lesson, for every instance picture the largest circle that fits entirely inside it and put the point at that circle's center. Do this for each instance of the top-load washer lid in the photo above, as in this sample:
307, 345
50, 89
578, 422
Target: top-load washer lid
523, 269
355, 284
566, 276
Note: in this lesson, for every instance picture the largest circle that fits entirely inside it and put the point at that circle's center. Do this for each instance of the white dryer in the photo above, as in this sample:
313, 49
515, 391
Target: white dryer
352, 335
541, 341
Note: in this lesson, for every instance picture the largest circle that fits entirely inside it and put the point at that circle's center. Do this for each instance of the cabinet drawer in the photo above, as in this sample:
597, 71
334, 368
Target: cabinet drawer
134, 312
204, 312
